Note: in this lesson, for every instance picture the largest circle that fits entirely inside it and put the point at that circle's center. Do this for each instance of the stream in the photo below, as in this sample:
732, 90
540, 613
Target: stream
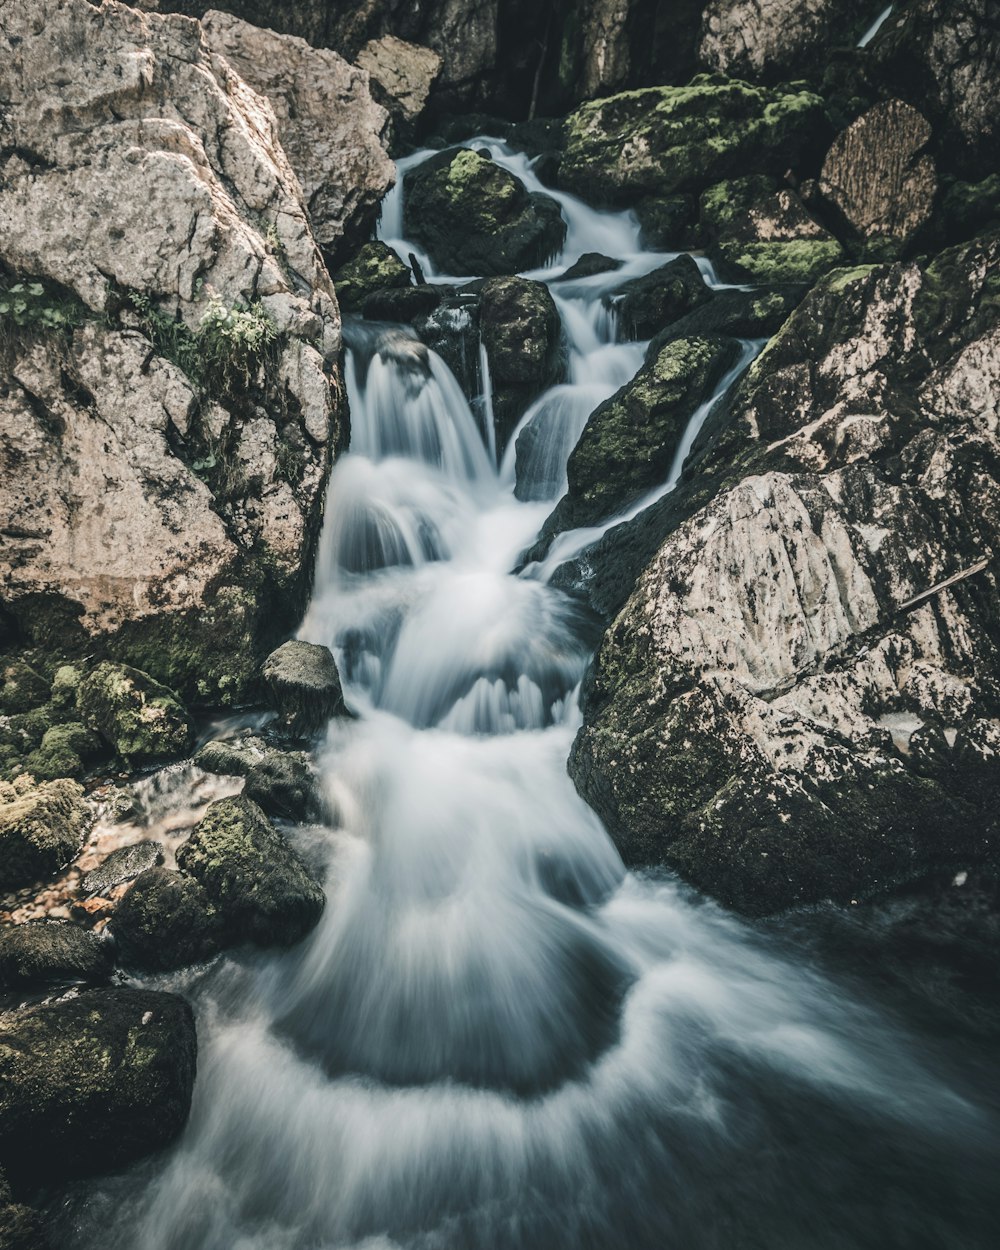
497, 1037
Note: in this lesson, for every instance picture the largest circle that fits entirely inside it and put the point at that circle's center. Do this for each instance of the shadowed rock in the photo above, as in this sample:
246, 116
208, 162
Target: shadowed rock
166, 920
304, 685
49, 952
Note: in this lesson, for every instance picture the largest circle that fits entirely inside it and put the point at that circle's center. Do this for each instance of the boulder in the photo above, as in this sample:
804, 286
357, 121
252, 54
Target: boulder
185, 375
139, 719
120, 866
878, 175
375, 267
775, 40
23, 688
732, 313
474, 217
339, 154
405, 303
589, 264
42, 826
663, 140
797, 700
629, 443
52, 952
646, 305
520, 329
757, 232
232, 757
93, 1082
304, 685
165, 921
260, 887
285, 786
665, 221
402, 75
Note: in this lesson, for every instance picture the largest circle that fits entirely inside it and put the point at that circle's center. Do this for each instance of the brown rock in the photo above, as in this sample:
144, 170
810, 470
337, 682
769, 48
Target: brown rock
404, 71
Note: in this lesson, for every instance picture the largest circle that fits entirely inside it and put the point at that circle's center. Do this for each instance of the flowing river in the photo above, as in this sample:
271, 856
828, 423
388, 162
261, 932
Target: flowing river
497, 1038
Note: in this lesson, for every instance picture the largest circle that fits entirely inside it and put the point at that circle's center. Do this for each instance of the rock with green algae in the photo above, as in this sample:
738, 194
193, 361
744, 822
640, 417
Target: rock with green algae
474, 217
661, 140
286, 787
140, 719
93, 1082
165, 920
262, 890
304, 685
52, 952
376, 267
64, 751
23, 688
42, 825
628, 444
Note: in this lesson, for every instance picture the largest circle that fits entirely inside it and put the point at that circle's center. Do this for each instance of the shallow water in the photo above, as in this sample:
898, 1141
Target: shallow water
497, 1037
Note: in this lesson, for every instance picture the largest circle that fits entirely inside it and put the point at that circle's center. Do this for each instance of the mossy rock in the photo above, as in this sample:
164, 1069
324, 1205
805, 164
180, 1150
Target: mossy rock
261, 888
140, 719
65, 684
971, 208
285, 786
166, 920
659, 141
52, 952
645, 305
474, 217
304, 685
376, 267
23, 688
63, 752
42, 826
232, 757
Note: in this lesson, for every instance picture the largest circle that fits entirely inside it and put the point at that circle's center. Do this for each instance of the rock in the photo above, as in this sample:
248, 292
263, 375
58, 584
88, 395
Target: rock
402, 75
93, 1082
796, 701
41, 827
452, 330
63, 752
971, 208
140, 719
756, 314
759, 233
405, 303
520, 329
23, 688
189, 380
20, 1226
284, 786
232, 757
878, 175
665, 220
647, 304
165, 921
51, 952
376, 267
667, 139
65, 684
774, 40
258, 884
338, 153
630, 441
121, 866
304, 685
589, 264
474, 217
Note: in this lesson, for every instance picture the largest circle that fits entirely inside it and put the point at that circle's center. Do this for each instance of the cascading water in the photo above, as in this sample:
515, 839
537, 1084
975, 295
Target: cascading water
497, 1038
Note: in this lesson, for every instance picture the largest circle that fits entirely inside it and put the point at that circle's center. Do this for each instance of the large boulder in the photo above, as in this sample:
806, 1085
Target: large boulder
165, 921
878, 175
520, 329
185, 375
667, 139
140, 720
474, 217
41, 827
304, 685
52, 952
402, 75
260, 887
775, 40
93, 1082
798, 700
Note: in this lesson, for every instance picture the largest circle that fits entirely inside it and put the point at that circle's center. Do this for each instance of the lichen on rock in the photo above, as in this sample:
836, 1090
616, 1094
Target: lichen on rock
141, 720
42, 825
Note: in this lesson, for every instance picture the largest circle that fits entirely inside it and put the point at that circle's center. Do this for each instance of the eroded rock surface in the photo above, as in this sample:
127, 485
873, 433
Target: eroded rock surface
771, 40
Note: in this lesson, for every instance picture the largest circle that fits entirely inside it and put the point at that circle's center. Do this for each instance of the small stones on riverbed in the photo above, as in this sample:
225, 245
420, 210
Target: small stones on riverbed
304, 686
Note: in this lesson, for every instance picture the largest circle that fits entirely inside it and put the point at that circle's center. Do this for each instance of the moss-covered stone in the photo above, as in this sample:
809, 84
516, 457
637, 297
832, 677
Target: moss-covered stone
23, 688
376, 267
261, 888
474, 217
662, 140
49, 952
140, 719
65, 684
647, 304
284, 786
63, 752
166, 920
304, 685
41, 827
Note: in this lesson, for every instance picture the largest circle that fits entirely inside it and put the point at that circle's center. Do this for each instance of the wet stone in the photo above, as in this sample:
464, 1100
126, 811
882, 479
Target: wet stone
122, 865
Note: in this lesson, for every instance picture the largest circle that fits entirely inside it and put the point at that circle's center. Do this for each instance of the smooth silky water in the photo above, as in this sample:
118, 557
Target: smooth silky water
497, 1037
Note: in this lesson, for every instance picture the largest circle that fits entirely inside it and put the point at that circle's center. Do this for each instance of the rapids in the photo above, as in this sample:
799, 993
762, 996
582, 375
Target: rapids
497, 1037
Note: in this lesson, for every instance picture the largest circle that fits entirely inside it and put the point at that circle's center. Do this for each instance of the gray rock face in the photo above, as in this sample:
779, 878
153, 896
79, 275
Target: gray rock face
797, 700
304, 685
41, 828
878, 174
51, 952
165, 921
338, 153
94, 1081
121, 866
771, 40
260, 887
402, 72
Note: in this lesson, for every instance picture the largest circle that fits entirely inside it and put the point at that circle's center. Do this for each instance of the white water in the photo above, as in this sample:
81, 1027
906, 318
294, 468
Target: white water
497, 1037
875, 27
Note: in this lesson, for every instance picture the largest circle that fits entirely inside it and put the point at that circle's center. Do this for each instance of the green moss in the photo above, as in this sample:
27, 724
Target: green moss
797, 260
140, 719
23, 688
63, 752
41, 827
375, 267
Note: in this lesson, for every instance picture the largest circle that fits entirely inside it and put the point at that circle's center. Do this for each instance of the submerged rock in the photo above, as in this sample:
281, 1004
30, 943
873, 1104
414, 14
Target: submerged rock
260, 887
41, 827
667, 139
166, 920
93, 1082
140, 719
121, 866
52, 952
475, 217
647, 304
304, 685
520, 329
